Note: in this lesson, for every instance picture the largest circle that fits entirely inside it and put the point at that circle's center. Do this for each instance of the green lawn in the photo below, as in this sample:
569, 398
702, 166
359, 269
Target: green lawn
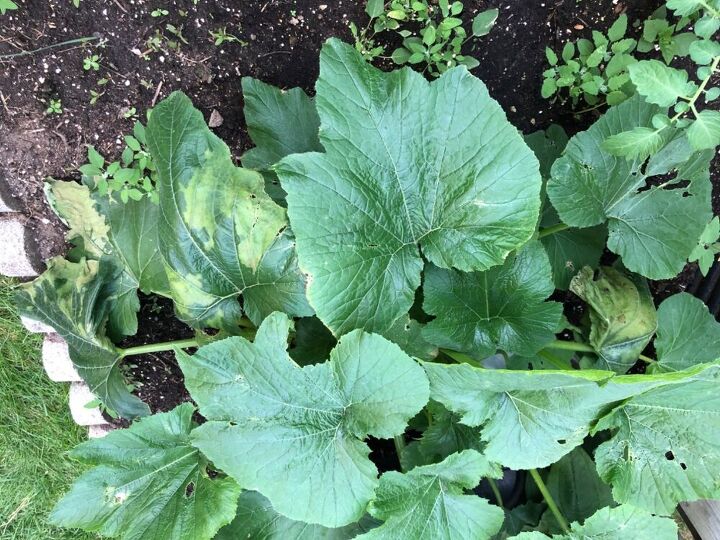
35, 433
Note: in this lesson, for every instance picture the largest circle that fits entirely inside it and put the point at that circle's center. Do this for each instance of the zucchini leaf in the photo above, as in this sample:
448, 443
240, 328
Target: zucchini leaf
221, 236
653, 228
273, 424
665, 446
127, 232
502, 308
619, 523
429, 502
687, 334
75, 298
148, 483
409, 166
622, 315
257, 520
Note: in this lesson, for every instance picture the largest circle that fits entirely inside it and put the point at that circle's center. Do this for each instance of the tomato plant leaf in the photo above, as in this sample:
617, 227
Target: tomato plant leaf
622, 315
453, 179
616, 523
658, 83
74, 298
687, 334
704, 132
429, 502
148, 483
257, 520
653, 228
261, 405
220, 233
502, 308
665, 446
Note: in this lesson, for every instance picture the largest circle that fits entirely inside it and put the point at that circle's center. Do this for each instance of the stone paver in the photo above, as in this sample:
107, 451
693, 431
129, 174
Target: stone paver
17, 252
56, 360
80, 396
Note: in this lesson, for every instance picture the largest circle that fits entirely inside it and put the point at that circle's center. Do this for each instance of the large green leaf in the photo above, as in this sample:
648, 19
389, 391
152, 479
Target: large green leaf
74, 298
257, 520
501, 308
148, 483
220, 233
295, 434
279, 122
410, 166
428, 503
103, 226
622, 315
529, 419
577, 489
666, 442
687, 334
660, 83
653, 230
570, 249
620, 523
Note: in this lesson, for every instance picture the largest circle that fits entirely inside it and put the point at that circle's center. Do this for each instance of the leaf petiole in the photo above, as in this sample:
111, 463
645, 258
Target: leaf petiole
496, 491
552, 230
570, 346
462, 358
159, 347
549, 500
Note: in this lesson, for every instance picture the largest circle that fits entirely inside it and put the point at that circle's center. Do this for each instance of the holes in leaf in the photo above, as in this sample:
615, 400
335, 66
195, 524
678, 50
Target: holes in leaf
684, 467
561, 441
669, 455
189, 489
372, 245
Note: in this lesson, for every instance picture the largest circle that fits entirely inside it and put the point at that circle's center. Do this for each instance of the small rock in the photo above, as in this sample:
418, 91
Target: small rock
18, 249
56, 360
216, 119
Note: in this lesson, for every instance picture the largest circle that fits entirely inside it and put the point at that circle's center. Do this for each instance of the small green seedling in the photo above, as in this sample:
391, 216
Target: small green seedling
708, 246
91, 63
595, 71
159, 13
94, 96
55, 107
221, 36
132, 177
432, 33
130, 113
667, 37
7, 5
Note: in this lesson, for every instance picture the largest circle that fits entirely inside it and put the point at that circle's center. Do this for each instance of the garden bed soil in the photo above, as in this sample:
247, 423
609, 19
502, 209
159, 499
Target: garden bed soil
280, 44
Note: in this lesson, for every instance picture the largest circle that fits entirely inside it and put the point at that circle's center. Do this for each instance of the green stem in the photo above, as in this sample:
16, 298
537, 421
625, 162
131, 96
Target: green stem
552, 230
461, 358
27, 53
591, 108
549, 500
399, 447
570, 346
556, 362
715, 13
496, 492
647, 359
159, 347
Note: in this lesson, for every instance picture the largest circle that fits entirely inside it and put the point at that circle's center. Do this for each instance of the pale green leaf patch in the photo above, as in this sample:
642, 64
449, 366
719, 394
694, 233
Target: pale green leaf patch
659, 83
704, 132
273, 424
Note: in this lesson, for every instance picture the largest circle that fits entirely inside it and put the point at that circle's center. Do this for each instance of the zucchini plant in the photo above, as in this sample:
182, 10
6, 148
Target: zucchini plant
380, 242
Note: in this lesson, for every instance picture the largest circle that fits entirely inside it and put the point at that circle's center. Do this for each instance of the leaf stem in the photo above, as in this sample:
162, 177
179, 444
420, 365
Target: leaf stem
159, 347
399, 441
570, 346
496, 491
549, 500
552, 230
647, 359
461, 358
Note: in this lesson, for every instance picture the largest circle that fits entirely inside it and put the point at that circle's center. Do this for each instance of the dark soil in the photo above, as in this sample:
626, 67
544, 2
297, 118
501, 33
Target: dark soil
280, 44
158, 380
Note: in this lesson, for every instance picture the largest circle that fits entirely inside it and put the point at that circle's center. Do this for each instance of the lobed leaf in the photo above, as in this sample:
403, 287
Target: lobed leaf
273, 424
148, 483
429, 503
653, 228
221, 236
502, 308
74, 299
436, 168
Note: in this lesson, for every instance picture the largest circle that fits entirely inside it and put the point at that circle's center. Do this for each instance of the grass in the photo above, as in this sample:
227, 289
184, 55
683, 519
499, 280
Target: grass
36, 431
